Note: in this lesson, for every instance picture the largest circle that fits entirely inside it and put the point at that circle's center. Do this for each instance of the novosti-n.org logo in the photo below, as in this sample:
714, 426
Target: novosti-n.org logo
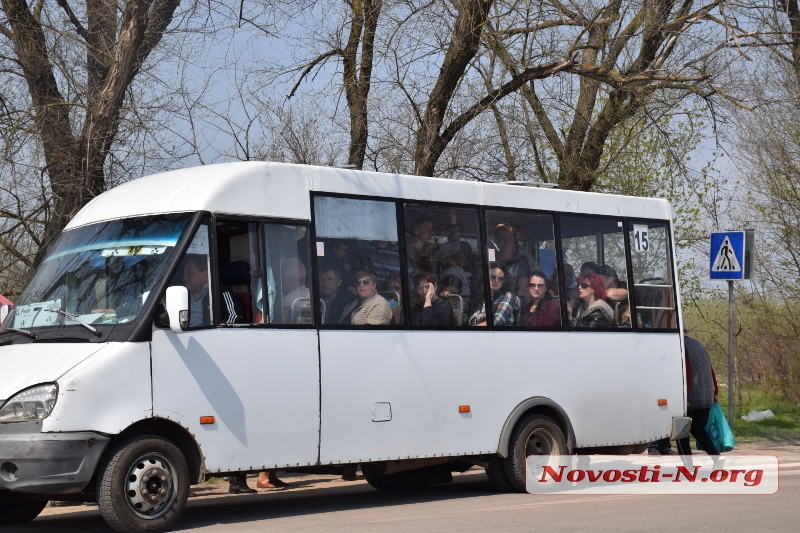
666, 474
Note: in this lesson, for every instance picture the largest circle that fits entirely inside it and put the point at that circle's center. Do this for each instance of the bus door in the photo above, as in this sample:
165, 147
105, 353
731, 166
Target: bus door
249, 358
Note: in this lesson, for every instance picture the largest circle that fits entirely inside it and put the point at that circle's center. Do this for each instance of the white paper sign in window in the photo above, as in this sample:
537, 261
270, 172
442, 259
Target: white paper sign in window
346, 218
641, 239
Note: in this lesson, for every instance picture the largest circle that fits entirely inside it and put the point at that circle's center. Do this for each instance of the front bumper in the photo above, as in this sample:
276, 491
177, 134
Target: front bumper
47, 463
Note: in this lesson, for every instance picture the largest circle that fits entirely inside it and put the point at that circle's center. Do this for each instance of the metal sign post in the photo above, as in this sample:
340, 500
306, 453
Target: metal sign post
731, 259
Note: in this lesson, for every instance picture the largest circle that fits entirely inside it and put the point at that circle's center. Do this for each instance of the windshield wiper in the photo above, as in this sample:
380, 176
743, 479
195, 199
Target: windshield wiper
76, 319
25, 332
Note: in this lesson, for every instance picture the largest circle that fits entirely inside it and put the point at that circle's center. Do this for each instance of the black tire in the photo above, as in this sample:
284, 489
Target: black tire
533, 435
406, 480
496, 472
14, 509
143, 485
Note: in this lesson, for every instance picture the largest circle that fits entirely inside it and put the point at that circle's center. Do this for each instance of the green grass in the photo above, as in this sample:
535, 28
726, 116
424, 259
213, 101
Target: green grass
784, 426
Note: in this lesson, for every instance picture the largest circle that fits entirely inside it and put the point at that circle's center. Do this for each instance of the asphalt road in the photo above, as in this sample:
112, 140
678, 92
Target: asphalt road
467, 504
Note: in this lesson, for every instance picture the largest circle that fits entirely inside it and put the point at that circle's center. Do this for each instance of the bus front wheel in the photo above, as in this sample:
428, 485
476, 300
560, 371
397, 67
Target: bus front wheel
14, 509
534, 434
143, 485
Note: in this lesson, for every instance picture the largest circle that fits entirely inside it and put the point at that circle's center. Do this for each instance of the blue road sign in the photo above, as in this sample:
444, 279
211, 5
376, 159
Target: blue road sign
727, 255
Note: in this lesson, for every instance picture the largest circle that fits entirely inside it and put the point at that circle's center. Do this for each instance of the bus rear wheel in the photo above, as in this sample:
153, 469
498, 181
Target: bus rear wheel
534, 434
14, 509
143, 485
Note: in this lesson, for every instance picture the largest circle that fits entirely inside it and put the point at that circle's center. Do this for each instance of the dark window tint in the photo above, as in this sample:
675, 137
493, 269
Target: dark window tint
356, 240
594, 270
653, 286
446, 280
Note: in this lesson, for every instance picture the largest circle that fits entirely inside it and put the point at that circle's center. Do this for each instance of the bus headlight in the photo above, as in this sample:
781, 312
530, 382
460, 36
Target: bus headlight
34, 403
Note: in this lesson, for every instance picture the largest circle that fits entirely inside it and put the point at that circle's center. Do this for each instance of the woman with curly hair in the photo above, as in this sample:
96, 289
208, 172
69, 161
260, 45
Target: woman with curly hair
592, 311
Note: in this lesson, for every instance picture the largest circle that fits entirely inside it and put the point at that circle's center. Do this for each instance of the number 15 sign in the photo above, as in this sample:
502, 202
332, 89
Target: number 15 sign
641, 239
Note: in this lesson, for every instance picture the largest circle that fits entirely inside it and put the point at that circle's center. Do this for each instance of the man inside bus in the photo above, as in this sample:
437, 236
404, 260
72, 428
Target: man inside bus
516, 266
370, 308
335, 297
195, 279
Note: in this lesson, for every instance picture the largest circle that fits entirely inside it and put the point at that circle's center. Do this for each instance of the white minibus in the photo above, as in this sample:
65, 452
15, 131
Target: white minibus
234, 318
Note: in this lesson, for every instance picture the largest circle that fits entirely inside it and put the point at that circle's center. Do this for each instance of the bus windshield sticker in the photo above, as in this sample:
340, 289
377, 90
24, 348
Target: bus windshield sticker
491, 255
36, 314
320, 249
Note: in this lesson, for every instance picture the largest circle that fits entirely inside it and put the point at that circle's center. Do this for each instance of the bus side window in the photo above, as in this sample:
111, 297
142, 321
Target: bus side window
237, 258
441, 244
653, 286
358, 260
194, 274
523, 243
287, 298
593, 248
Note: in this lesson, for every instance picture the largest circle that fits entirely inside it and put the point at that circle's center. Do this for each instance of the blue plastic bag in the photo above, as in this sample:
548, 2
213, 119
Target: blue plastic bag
717, 428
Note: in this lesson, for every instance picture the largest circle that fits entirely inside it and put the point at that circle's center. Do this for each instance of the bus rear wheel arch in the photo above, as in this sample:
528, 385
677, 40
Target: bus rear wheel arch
143, 485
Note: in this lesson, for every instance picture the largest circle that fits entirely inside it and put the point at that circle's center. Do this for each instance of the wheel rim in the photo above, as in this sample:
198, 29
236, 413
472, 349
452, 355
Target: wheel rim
541, 442
151, 486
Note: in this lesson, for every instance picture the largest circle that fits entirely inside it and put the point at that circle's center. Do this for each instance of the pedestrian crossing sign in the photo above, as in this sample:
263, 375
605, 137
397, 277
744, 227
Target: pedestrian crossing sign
728, 255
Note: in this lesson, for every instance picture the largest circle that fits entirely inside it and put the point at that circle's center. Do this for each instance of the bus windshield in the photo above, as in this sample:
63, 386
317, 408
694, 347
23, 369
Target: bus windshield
100, 274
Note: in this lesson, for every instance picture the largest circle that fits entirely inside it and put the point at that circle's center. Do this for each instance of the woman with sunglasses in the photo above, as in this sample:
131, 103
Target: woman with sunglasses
592, 311
544, 311
504, 304
370, 308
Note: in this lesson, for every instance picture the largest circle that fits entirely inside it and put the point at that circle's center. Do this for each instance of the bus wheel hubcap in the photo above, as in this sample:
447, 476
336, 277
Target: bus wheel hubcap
150, 486
541, 442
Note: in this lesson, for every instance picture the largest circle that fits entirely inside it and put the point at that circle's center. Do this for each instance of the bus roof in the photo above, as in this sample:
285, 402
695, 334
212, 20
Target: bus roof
281, 190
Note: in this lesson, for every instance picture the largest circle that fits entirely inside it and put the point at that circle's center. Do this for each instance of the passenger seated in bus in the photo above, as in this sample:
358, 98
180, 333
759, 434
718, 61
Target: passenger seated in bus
331, 292
544, 311
592, 311
516, 266
454, 266
504, 304
450, 285
427, 309
590, 267
195, 279
370, 308
393, 292
424, 254
616, 295
296, 296
453, 292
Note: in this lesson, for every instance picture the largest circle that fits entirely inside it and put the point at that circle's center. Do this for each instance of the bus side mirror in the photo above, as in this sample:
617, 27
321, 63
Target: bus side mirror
178, 308
3, 313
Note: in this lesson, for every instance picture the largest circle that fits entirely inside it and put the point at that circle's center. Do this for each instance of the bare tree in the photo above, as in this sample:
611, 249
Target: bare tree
76, 121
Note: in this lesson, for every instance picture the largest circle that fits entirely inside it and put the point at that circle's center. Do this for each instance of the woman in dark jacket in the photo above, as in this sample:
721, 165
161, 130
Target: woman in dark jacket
592, 311
544, 311
429, 309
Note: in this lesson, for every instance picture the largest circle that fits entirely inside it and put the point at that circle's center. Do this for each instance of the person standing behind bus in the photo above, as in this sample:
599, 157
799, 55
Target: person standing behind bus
504, 303
701, 392
370, 308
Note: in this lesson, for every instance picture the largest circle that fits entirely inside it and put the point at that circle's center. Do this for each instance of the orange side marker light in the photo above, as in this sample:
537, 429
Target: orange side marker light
206, 419
662, 402
463, 408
